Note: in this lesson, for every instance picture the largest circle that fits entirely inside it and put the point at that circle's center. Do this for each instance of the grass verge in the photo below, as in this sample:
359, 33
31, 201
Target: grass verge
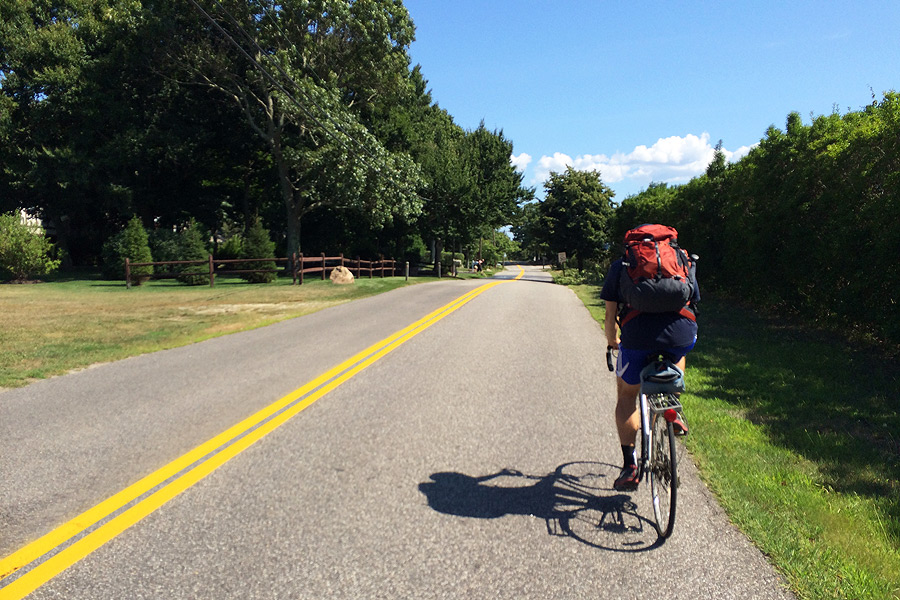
798, 435
52, 328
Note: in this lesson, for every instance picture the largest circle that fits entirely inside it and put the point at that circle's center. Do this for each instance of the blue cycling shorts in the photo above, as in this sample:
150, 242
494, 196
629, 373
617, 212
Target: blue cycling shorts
632, 362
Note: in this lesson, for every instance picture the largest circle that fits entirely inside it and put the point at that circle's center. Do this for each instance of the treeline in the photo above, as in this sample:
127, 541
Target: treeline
806, 223
305, 115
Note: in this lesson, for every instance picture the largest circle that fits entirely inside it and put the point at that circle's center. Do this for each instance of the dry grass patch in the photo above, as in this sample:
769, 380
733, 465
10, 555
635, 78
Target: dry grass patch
53, 328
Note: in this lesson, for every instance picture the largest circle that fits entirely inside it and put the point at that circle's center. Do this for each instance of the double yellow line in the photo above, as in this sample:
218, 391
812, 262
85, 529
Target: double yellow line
46, 557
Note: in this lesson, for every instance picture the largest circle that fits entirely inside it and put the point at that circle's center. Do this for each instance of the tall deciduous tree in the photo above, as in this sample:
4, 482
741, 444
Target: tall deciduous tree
95, 132
577, 212
319, 69
495, 187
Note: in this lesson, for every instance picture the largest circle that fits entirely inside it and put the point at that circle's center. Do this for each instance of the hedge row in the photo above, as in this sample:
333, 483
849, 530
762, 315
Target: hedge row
808, 222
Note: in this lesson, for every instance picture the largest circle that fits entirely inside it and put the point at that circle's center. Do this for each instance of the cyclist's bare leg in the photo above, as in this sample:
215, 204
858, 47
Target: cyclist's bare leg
628, 419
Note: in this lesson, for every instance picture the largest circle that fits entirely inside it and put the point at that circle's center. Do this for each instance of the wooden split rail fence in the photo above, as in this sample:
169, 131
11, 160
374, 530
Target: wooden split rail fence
298, 264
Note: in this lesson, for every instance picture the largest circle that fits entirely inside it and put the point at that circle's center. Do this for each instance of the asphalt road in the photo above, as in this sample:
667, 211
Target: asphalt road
474, 460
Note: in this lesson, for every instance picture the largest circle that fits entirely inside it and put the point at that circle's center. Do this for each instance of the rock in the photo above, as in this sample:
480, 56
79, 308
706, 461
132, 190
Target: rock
341, 275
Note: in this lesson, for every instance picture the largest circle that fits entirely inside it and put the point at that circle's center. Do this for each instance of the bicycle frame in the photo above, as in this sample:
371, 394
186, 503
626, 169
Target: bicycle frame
646, 435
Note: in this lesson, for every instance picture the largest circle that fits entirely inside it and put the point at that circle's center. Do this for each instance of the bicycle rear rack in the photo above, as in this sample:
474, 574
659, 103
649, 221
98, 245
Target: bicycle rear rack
659, 403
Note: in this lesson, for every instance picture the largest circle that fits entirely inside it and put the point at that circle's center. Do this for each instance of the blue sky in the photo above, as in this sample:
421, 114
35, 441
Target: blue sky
643, 91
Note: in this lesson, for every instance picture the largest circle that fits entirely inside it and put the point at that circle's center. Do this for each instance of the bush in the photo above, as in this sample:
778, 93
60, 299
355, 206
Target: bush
192, 246
258, 244
187, 244
569, 277
447, 259
24, 251
163, 244
416, 251
132, 243
231, 248
593, 274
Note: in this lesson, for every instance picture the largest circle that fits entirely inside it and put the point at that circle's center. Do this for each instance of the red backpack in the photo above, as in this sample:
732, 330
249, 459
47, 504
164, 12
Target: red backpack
658, 275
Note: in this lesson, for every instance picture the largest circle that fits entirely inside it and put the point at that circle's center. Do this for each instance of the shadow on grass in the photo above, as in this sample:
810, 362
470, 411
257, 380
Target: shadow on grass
816, 395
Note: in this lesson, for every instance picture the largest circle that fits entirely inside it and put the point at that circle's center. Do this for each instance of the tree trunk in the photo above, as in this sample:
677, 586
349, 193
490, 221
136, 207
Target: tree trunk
438, 250
293, 206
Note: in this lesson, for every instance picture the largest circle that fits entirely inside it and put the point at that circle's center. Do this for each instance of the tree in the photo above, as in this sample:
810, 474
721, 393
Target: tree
131, 243
529, 232
437, 148
258, 244
192, 246
98, 127
653, 205
576, 214
180, 244
495, 187
325, 66
24, 250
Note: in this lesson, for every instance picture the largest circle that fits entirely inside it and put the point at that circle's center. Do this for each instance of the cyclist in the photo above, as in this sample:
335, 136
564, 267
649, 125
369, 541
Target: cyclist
641, 336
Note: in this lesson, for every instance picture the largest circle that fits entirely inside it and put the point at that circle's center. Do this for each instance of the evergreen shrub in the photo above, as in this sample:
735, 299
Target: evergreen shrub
258, 244
192, 246
132, 243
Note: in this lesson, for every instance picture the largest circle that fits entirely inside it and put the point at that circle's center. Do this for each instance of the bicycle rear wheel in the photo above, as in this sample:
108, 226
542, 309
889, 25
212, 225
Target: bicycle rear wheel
663, 474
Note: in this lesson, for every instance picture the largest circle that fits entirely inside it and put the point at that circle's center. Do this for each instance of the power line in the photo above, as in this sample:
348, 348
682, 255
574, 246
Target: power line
303, 92
262, 69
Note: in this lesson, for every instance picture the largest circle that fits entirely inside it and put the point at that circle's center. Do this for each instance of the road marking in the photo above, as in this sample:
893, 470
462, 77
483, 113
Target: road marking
70, 542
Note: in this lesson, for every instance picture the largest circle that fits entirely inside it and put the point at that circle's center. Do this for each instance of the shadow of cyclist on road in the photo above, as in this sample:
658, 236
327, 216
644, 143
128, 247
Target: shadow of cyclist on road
575, 500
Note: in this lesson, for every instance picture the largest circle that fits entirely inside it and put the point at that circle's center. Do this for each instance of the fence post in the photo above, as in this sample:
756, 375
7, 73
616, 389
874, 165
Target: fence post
294, 268
358, 266
407, 270
127, 274
342, 259
212, 272
323, 266
301, 268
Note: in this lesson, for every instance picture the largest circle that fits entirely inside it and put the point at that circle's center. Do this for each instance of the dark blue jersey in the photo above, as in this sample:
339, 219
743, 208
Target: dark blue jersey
650, 331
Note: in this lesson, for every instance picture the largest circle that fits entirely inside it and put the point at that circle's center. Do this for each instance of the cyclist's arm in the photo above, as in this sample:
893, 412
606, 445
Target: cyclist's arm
609, 324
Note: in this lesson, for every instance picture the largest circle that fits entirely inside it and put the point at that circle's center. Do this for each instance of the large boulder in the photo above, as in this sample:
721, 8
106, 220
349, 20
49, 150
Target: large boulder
341, 275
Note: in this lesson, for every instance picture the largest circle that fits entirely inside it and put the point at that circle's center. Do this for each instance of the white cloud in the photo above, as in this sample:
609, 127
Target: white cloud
521, 161
739, 153
672, 160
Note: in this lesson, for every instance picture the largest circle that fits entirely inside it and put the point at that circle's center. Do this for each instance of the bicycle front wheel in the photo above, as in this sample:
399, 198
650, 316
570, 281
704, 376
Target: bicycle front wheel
663, 474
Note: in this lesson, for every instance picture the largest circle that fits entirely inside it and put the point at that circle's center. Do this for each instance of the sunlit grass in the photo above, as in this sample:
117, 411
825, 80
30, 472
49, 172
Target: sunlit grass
51, 328
798, 435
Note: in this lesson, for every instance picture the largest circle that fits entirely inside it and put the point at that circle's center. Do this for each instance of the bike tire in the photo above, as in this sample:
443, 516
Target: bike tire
663, 475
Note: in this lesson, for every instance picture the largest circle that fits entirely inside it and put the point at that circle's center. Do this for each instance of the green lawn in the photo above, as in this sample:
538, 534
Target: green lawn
798, 435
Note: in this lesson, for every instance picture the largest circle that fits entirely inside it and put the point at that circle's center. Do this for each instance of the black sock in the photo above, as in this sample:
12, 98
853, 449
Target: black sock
628, 455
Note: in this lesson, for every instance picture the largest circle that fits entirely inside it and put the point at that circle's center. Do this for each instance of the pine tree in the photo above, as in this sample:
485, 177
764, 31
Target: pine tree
191, 246
131, 243
258, 244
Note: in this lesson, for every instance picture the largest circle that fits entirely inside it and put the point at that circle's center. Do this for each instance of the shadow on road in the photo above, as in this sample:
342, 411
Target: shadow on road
576, 500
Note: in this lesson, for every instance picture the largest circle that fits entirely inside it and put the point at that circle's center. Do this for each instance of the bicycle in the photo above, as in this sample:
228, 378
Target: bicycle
661, 417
